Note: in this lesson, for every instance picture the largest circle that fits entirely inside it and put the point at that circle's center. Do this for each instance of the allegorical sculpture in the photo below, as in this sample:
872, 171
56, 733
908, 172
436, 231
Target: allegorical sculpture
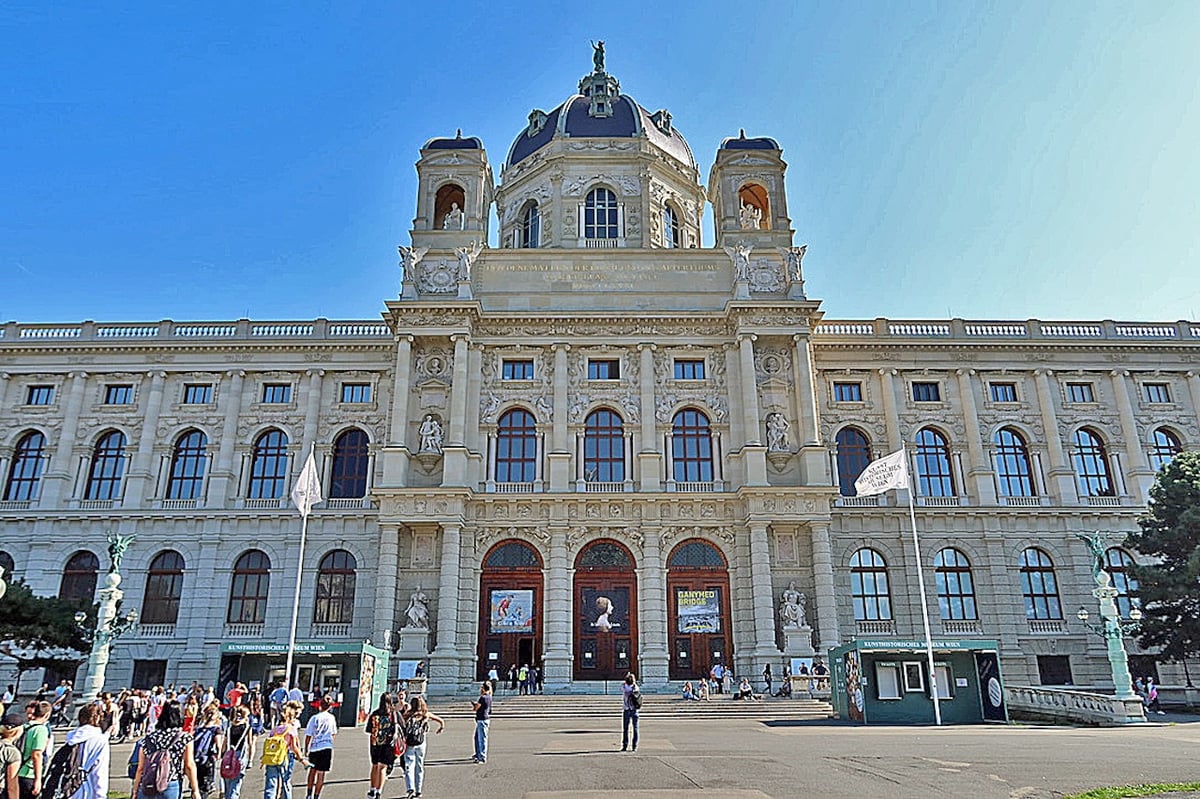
792, 607
466, 258
598, 55
431, 434
749, 217
740, 255
117, 544
418, 610
793, 257
453, 220
409, 258
777, 432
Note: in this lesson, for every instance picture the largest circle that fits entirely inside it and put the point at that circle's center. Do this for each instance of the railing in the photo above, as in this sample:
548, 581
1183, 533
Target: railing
603, 488
243, 630
875, 627
602, 244
1058, 704
168, 330
858, 502
692, 488
1021, 502
16, 504
347, 503
961, 627
178, 504
845, 329
320, 631
288, 330
262, 504
1072, 330
349, 329
1030, 329
939, 502
1047, 626
1103, 502
919, 328
206, 331
96, 504
514, 488
156, 630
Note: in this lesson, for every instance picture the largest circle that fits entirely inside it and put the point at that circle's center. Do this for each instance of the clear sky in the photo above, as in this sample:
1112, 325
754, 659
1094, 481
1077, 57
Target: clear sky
985, 160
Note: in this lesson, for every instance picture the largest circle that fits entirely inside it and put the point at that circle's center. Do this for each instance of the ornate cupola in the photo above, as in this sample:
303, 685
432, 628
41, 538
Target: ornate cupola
599, 87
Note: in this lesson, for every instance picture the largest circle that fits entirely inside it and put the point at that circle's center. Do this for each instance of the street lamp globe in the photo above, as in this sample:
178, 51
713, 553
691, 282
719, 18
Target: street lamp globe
1082, 615
80, 617
1135, 614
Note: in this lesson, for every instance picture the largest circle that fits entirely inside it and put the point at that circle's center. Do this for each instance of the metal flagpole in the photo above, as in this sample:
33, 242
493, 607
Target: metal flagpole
912, 515
291, 650
305, 494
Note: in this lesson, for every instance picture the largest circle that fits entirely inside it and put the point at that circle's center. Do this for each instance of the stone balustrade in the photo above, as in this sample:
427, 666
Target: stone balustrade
1041, 703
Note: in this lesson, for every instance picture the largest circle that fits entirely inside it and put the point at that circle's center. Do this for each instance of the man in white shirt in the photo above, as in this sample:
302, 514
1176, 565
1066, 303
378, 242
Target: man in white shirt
318, 745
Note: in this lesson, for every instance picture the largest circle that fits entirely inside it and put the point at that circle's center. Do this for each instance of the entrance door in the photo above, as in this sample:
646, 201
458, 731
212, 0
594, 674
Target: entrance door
510, 608
698, 598
605, 612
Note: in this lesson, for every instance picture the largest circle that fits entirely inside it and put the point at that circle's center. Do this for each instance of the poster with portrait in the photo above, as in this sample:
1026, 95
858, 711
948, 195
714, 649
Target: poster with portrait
698, 611
511, 611
605, 609
366, 686
854, 692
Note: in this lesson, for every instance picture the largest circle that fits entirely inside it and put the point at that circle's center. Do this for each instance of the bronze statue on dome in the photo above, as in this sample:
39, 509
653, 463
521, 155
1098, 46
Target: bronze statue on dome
598, 55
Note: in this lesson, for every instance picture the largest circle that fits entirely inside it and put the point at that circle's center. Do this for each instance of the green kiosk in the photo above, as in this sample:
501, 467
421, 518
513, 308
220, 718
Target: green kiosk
355, 674
886, 681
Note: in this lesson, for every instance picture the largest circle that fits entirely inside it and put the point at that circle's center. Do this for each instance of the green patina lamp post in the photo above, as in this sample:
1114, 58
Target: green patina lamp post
1111, 628
108, 625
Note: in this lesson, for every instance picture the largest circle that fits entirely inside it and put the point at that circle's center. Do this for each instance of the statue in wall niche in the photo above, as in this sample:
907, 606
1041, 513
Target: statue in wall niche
792, 607
749, 217
409, 258
418, 610
793, 258
453, 220
740, 255
431, 434
777, 432
466, 257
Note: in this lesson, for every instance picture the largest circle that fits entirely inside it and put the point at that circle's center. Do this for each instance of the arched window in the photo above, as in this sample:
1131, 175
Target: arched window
869, 586
1118, 563
1013, 472
1091, 465
1166, 447
8, 565
108, 464
603, 447
26, 471
79, 577
249, 589
516, 447
164, 587
696, 554
449, 198
187, 466
955, 587
853, 455
336, 576
691, 447
1039, 585
934, 478
531, 226
268, 470
351, 457
670, 220
513, 555
600, 215
604, 556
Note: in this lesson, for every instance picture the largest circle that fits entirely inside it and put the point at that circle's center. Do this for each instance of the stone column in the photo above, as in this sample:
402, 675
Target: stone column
139, 484
56, 482
649, 459
826, 599
395, 451
221, 476
809, 434
454, 454
446, 657
386, 568
3, 387
556, 613
560, 448
753, 452
653, 622
1061, 477
980, 472
312, 408
891, 419
763, 595
1141, 477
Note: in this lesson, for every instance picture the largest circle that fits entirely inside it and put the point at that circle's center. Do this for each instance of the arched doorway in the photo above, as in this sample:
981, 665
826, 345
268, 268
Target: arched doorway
605, 612
698, 594
510, 608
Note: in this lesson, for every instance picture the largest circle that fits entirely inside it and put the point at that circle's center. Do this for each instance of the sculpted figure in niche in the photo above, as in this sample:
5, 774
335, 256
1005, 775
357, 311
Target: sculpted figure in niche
431, 434
466, 257
741, 260
418, 610
792, 607
453, 220
750, 217
777, 432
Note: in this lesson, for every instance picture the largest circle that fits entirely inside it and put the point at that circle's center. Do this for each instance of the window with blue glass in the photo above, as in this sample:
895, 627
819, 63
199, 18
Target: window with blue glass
1014, 475
691, 447
516, 447
268, 468
600, 219
603, 447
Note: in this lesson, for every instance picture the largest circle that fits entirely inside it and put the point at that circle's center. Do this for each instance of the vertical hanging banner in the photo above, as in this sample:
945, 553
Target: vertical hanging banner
698, 611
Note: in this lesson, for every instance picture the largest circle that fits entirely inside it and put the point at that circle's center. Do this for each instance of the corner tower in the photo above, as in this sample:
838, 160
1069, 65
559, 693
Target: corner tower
454, 193
746, 188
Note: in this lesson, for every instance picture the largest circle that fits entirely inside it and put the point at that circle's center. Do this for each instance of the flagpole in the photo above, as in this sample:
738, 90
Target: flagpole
912, 515
303, 496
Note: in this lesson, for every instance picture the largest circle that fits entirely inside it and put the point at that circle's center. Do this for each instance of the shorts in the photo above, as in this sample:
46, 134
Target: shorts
383, 755
321, 759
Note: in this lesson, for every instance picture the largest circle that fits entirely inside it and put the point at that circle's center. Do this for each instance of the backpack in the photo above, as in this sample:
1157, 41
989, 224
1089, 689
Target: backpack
66, 773
131, 766
203, 745
275, 750
156, 775
635, 699
414, 733
231, 762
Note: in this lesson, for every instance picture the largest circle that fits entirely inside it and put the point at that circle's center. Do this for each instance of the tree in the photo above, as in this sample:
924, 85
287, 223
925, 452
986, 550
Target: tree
39, 631
1169, 587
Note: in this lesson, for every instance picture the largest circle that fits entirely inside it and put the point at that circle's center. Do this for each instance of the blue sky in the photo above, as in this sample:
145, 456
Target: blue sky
983, 160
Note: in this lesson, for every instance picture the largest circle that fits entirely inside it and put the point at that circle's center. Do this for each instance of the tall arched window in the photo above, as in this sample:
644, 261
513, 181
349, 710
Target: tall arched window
1118, 563
25, 474
1013, 472
934, 477
79, 577
603, 447
671, 237
249, 588
513, 555
1039, 585
1091, 465
853, 455
188, 462
869, 586
955, 587
1166, 447
336, 577
516, 447
691, 447
531, 226
108, 464
164, 587
600, 215
268, 470
351, 457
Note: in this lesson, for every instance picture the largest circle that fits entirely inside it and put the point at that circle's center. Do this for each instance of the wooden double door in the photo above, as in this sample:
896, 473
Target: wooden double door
605, 595
510, 609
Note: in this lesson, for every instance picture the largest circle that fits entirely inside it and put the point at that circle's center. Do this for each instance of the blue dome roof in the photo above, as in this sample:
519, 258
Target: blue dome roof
457, 143
742, 143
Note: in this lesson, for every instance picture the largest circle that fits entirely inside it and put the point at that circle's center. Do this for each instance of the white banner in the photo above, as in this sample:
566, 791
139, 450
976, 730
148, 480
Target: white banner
307, 491
890, 471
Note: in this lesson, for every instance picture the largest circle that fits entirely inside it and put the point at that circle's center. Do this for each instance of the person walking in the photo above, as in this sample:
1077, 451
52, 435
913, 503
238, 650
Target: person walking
631, 700
241, 742
493, 678
35, 740
169, 737
281, 750
207, 744
523, 679
318, 744
416, 729
483, 720
91, 741
383, 727
767, 679
10, 755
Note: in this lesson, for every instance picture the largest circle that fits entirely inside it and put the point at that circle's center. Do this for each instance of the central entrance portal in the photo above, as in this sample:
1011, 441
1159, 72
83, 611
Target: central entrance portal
510, 608
698, 592
605, 612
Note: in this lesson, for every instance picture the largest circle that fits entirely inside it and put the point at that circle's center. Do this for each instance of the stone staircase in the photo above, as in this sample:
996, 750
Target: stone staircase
579, 706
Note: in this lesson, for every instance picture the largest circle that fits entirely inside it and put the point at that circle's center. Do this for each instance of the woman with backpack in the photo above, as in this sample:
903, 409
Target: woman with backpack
238, 755
207, 743
382, 726
281, 750
165, 758
415, 723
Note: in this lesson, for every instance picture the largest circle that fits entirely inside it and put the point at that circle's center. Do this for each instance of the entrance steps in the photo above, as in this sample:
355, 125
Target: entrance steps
579, 706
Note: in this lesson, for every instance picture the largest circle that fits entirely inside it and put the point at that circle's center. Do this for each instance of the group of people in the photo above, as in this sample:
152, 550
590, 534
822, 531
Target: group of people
526, 680
721, 680
1147, 689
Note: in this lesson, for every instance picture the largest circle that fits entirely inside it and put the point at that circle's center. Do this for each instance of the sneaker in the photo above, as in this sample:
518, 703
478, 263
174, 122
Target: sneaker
1161, 712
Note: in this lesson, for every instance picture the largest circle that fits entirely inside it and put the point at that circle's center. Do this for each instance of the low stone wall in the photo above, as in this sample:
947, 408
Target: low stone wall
1039, 703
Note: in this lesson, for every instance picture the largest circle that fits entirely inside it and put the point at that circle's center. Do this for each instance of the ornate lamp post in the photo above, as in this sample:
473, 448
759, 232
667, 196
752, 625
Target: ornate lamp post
1111, 628
108, 625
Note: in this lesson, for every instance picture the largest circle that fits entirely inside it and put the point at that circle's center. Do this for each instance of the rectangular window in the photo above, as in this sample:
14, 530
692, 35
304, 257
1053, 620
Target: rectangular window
39, 395
356, 392
945, 684
914, 677
1003, 392
1158, 392
887, 681
277, 393
197, 394
1080, 392
604, 369
926, 392
1054, 669
689, 369
118, 395
847, 392
517, 370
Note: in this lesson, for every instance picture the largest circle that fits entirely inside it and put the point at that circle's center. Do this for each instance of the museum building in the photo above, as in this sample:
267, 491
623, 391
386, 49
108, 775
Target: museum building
602, 446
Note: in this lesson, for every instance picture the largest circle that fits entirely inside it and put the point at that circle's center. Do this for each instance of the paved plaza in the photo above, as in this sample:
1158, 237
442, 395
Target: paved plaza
542, 758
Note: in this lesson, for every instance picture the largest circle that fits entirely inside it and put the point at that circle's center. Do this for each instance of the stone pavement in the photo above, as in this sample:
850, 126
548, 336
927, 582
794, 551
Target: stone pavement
749, 759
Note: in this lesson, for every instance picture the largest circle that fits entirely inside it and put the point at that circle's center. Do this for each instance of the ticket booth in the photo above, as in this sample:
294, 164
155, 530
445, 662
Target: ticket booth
886, 681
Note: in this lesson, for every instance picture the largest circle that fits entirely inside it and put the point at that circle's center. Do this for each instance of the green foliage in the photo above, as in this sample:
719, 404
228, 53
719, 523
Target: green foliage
1170, 586
1136, 790
39, 631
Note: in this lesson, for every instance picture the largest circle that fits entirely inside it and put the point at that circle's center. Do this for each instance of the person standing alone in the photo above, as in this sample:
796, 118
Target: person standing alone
632, 704
483, 720
318, 743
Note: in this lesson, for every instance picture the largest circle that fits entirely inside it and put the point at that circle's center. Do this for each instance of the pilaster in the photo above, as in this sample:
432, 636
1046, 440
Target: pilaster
1138, 470
222, 476
1061, 478
649, 459
753, 452
386, 569
140, 482
822, 566
56, 482
979, 474
559, 456
454, 454
558, 660
891, 420
396, 453
765, 649
655, 656
446, 659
